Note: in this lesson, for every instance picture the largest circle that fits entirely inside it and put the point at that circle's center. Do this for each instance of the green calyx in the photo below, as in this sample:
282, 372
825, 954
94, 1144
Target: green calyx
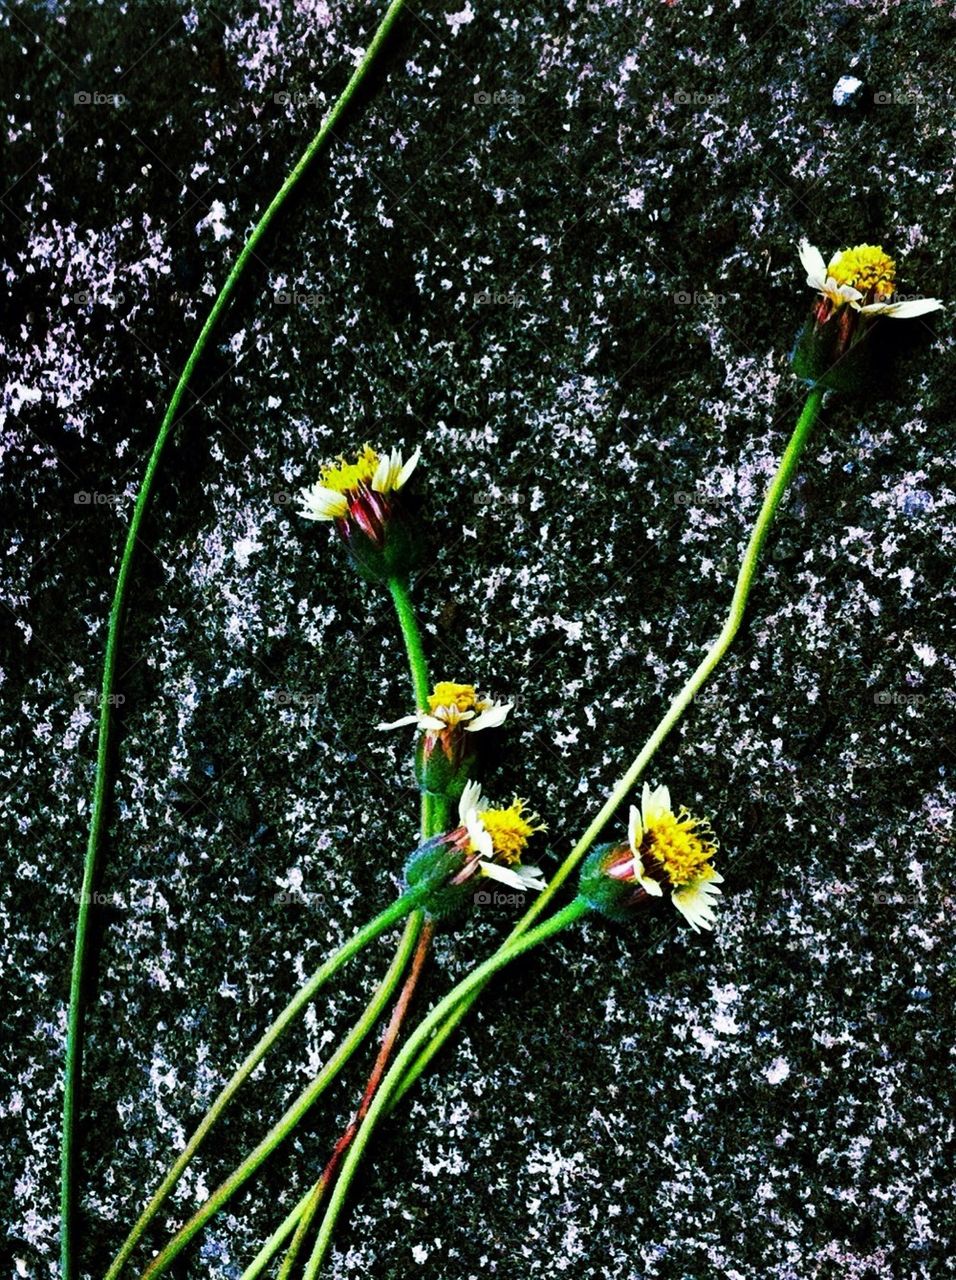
614, 899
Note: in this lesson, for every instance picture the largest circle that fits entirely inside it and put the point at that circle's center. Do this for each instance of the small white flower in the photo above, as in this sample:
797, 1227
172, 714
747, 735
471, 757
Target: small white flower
867, 266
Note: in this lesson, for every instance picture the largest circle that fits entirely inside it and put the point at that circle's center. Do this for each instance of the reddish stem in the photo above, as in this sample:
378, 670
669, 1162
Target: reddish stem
386, 1049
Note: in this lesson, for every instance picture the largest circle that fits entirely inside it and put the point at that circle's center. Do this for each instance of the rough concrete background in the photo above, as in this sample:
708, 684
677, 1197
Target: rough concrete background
555, 246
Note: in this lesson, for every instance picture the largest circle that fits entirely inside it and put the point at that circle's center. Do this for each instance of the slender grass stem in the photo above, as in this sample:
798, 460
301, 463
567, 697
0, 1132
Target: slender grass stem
73, 1063
735, 616
473, 982
384, 920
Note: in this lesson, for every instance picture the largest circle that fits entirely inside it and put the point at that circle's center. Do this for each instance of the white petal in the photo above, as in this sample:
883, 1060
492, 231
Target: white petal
469, 801
654, 804
844, 291
490, 718
398, 724
408, 468
813, 264
323, 504
504, 874
695, 903
905, 310
647, 883
635, 832
532, 878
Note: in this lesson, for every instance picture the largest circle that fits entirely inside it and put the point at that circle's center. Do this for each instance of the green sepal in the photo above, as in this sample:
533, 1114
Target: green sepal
613, 899
845, 353
442, 774
398, 554
435, 864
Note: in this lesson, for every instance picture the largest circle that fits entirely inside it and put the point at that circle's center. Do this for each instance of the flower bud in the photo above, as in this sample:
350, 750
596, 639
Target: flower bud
363, 499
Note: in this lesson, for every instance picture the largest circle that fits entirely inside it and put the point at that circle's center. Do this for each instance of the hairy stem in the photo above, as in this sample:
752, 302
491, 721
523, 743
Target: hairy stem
389, 1040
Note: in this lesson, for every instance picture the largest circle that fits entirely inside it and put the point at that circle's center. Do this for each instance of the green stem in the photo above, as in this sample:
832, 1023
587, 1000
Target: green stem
386, 919
476, 979
309, 1096
387, 1047
277, 1239
413, 640
715, 653
91, 868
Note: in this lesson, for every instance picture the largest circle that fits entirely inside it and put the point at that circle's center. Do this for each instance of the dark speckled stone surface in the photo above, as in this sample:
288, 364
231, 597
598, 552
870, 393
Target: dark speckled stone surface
556, 247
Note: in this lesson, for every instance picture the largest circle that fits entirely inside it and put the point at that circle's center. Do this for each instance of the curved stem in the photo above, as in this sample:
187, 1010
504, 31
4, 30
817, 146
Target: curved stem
390, 916
389, 1040
309, 1096
476, 979
715, 653
74, 1032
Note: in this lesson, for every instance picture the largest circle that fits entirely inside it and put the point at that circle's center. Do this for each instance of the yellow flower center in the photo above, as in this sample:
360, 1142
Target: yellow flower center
510, 830
448, 694
681, 845
867, 268
346, 477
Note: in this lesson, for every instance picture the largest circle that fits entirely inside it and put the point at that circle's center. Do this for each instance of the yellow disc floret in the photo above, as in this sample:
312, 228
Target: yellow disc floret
682, 845
346, 477
510, 829
867, 268
460, 696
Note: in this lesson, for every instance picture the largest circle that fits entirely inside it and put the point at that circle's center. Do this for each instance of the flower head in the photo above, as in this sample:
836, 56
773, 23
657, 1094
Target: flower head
487, 842
855, 289
444, 754
862, 278
667, 853
451, 706
361, 496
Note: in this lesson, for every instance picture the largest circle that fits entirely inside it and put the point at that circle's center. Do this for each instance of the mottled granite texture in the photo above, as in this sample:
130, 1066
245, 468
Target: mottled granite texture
556, 247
